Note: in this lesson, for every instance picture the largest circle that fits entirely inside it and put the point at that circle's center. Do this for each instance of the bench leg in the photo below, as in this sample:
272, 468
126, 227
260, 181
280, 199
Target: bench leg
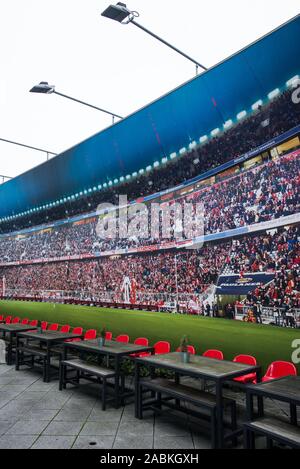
104, 394
61, 376
122, 389
213, 426
270, 443
249, 439
45, 373
140, 403
159, 400
17, 360
234, 423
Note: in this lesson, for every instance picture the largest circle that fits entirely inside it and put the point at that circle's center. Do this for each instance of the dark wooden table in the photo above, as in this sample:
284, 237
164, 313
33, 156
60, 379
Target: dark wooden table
12, 330
208, 369
49, 339
116, 350
284, 390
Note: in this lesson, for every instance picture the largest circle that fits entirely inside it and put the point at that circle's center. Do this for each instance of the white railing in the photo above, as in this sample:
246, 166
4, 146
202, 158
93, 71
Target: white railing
107, 296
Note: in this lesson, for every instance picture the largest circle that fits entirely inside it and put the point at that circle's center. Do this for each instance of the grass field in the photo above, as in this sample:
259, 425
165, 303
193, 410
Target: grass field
267, 343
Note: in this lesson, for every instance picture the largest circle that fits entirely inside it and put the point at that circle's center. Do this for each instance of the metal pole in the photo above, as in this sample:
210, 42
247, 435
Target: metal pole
5, 177
168, 45
176, 279
86, 104
27, 146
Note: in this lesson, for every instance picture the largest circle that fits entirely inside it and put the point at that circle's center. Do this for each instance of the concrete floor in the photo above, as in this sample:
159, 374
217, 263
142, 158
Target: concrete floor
36, 415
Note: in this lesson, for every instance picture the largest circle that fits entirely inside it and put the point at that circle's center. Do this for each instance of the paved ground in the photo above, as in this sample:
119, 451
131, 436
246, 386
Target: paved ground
36, 415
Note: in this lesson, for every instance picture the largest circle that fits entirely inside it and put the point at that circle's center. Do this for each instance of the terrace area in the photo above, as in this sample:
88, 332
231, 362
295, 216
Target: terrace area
35, 415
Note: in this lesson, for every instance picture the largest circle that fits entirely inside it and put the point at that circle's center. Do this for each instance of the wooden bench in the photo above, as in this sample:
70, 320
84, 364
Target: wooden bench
88, 371
183, 393
274, 430
27, 355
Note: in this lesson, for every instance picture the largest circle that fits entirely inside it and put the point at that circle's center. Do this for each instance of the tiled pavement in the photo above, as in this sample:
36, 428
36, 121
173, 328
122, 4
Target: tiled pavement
36, 415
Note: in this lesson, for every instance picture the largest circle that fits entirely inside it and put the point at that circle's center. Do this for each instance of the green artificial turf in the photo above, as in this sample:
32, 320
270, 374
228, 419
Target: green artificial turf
267, 343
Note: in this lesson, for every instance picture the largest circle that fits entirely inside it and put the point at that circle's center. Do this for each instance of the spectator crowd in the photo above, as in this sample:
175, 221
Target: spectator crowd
268, 122
267, 192
184, 274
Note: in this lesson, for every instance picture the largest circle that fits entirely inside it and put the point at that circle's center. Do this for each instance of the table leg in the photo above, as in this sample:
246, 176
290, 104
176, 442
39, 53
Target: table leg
137, 389
117, 382
177, 381
17, 355
260, 399
294, 419
48, 364
9, 349
249, 405
220, 415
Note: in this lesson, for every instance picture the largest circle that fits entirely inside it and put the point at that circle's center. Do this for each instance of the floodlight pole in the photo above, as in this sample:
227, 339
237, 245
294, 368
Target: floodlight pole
138, 25
23, 145
176, 280
113, 115
4, 177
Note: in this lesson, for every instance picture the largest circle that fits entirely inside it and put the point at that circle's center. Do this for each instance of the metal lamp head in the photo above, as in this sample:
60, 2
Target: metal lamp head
43, 88
120, 13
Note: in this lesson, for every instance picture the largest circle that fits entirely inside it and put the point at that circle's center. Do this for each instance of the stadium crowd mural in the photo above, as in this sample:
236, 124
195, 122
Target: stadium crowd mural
267, 192
184, 276
267, 122
65, 261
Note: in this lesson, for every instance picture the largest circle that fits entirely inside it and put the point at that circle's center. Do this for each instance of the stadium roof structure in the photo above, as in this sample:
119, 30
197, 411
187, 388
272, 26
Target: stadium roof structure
163, 127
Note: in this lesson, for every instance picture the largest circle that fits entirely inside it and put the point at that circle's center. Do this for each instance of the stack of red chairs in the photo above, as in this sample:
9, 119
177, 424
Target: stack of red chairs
246, 360
142, 341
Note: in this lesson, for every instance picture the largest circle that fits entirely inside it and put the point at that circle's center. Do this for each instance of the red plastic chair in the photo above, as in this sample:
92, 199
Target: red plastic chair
90, 335
246, 360
16, 321
162, 348
44, 325
65, 329
124, 339
108, 336
8, 320
278, 370
25, 322
215, 354
190, 348
53, 327
76, 330
1, 317
143, 342
34, 323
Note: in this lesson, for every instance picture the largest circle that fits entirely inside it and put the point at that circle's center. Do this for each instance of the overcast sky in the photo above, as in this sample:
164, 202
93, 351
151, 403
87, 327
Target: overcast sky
120, 68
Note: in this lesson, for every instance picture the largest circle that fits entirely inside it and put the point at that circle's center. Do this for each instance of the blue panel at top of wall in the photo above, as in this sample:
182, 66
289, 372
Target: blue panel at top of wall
165, 125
